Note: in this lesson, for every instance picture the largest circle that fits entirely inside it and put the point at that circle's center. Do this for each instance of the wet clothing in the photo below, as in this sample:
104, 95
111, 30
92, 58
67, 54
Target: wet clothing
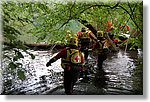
86, 37
71, 68
71, 74
102, 51
84, 42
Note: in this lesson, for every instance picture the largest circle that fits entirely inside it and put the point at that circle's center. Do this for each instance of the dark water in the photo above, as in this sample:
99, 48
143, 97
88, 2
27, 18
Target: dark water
123, 76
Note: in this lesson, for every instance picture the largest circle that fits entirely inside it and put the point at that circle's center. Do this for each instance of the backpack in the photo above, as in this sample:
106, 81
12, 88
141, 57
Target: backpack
84, 35
74, 56
100, 47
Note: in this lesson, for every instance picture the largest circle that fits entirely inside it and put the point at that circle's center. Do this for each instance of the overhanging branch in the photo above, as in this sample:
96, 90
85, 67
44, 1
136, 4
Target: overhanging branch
131, 18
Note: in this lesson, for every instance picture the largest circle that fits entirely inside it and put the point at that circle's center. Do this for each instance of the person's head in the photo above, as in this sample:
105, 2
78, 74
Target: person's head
83, 29
73, 42
68, 32
100, 34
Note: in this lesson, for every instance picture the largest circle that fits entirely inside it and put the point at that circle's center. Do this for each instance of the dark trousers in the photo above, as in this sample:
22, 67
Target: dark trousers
86, 53
70, 77
101, 58
84, 47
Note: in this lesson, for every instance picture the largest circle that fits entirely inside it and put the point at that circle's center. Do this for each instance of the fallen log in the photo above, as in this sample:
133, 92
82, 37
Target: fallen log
37, 46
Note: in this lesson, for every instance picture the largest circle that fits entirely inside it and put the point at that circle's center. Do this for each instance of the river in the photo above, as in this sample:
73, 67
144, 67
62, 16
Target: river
123, 76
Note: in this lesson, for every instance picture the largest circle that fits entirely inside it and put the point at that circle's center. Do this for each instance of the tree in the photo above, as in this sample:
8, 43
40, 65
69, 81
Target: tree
49, 21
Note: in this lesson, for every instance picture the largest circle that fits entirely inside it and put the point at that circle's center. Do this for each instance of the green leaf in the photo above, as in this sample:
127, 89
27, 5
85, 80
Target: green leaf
15, 58
12, 66
21, 75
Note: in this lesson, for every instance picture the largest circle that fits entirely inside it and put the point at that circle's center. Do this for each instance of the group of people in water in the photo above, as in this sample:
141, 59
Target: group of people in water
74, 56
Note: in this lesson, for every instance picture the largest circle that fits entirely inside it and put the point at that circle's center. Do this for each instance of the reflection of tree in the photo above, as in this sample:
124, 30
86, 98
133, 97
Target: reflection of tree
137, 78
100, 79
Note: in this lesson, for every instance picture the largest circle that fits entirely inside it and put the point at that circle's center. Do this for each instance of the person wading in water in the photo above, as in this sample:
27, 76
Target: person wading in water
72, 61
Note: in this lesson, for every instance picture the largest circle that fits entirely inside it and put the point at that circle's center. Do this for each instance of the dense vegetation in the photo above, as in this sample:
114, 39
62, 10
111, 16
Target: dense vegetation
34, 22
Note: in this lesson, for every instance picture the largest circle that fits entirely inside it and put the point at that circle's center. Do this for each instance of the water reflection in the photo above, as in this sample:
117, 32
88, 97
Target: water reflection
121, 67
120, 75
100, 79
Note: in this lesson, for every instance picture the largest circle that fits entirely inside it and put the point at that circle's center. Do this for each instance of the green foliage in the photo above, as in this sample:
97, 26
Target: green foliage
12, 65
21, 75
135, 43
49, 21
13, 22
137, 77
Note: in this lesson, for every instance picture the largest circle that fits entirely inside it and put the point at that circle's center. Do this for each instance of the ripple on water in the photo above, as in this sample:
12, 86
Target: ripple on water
41, 79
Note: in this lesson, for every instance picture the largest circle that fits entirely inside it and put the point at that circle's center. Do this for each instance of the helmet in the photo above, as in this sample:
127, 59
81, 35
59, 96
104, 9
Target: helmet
73, 41
112, 28
83, 29
127, 32
100, 34
68, 32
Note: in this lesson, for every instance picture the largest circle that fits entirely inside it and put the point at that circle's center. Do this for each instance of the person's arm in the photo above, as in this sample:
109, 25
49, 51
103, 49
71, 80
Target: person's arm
61, 54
